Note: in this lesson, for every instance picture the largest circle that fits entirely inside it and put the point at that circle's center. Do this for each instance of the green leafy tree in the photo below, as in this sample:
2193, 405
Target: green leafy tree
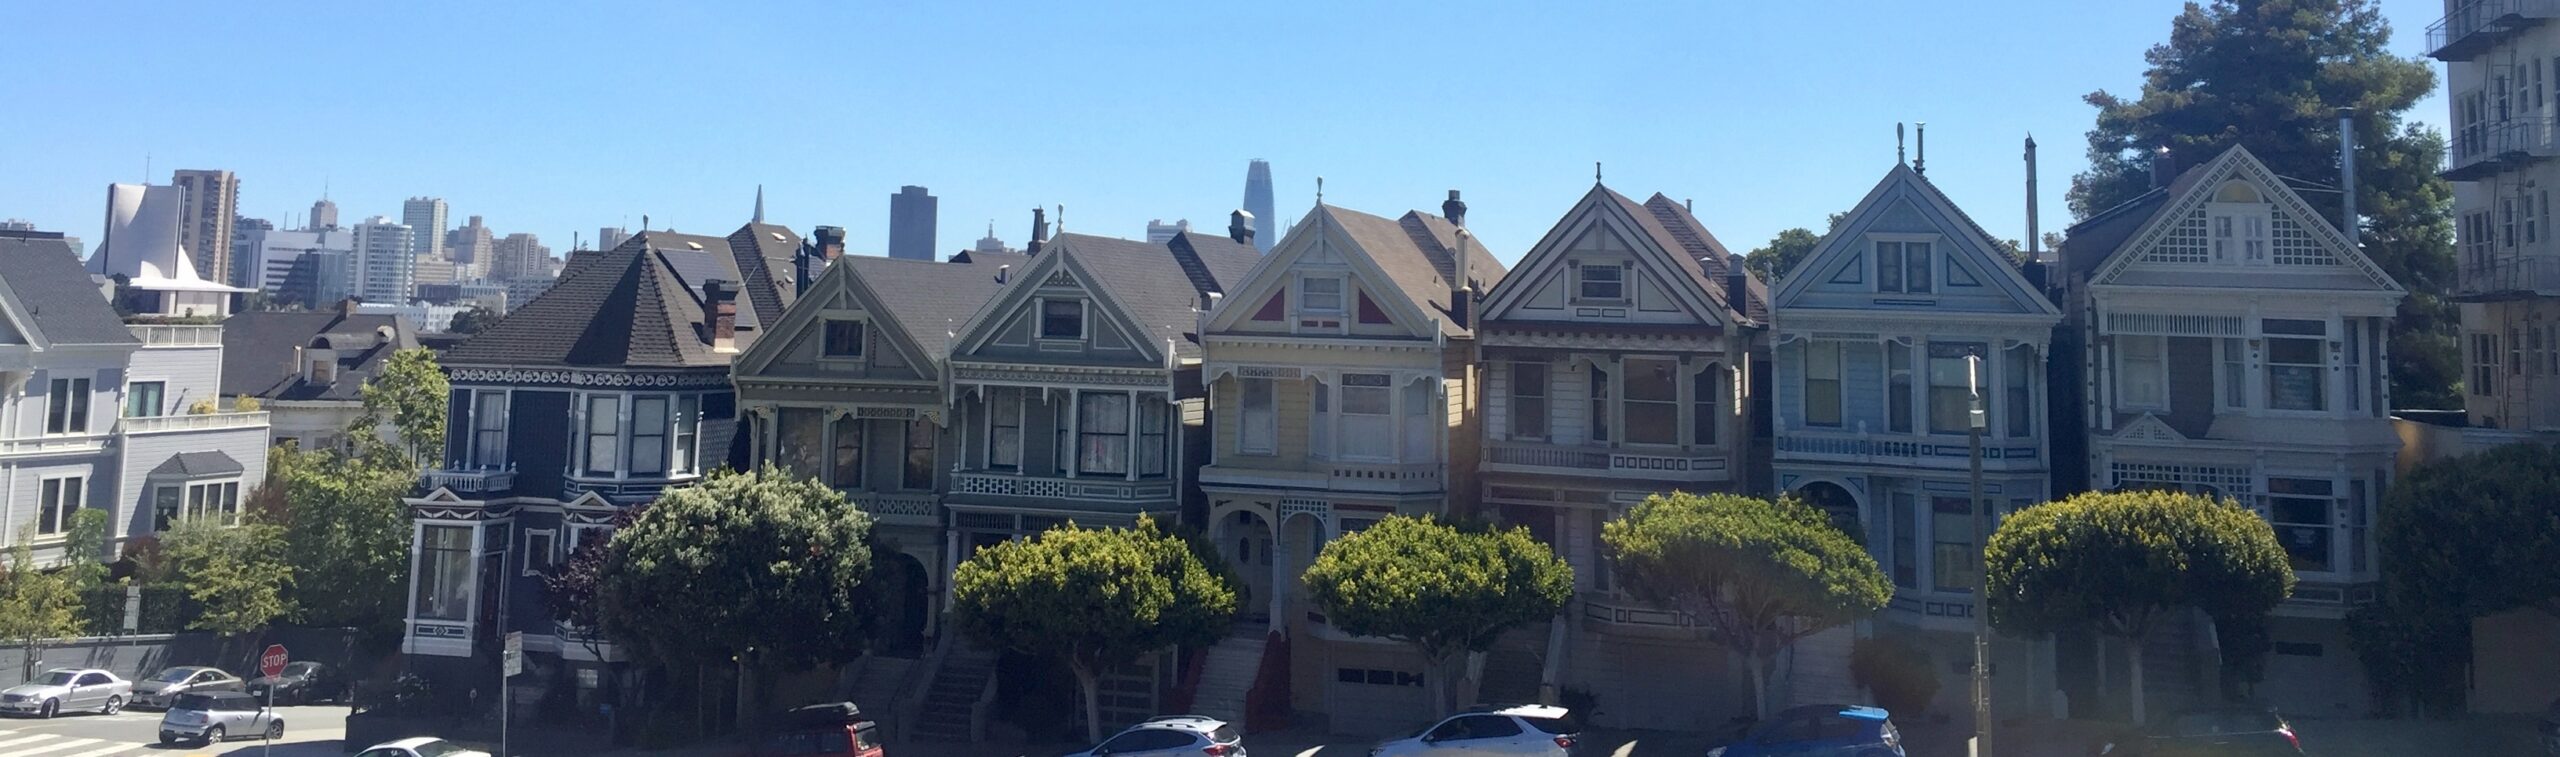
1773, 261
473, 321
36, 606
84, 548
2268, 74
574, 587
2451, 535
410, 395
237, 573
759, 567
341, 516
1446, 591
1757, 574
1096, 598
2124, 563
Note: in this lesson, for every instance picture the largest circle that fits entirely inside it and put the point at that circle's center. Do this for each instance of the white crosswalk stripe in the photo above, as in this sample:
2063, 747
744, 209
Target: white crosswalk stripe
105, 751
25, 740
49, 745
52, 746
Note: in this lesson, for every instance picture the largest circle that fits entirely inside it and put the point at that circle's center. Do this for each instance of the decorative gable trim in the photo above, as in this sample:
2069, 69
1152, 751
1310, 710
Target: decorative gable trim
807, 314
2239, 163
1054, 266
1842, 253
2149, 428
1551, 255
1319, 239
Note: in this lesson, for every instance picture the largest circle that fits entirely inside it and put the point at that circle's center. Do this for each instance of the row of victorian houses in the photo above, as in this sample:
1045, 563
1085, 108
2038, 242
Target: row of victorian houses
2214, 335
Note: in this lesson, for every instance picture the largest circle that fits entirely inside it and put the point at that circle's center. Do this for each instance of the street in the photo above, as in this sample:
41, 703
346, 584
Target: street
308, 732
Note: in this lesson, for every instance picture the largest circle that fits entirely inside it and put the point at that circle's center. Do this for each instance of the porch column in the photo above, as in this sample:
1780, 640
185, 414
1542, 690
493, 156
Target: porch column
1130, 458
1279, 572
1075, 435
950, 566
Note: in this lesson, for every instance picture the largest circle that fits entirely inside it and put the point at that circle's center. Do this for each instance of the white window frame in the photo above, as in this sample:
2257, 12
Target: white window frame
54, 498
1084, 320
549, 551
2158, 373
198, 497
684, 440
826, 340
159, 394
2266, 367
75, 409
1902, 245
1806, 378
2332, 522
484, 454
995, 399
1313, 317
1630, 407
1264, 440
1385, 391
588, 435
1582, 282
1545, 399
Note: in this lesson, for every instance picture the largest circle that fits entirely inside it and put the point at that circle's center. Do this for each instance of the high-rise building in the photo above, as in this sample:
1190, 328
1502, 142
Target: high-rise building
244, 262
17, 224
911, 219
204, 227
610, 237
2501, 161
990, 243
324, 215
1159, 232
385, 268
519, 256
470, 246
433, 270
1257, 200
425, 218
275, 253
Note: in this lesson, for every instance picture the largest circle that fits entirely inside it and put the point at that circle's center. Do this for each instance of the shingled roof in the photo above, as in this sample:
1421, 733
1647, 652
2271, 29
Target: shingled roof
640, 304
1159, 285
1417, 252
260, 359
65, 305
925, 300
1714, 260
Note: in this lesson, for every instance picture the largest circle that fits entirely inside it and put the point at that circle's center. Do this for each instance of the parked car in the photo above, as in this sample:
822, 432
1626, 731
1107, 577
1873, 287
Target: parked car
1824, 729
1529, 729
209, 717
834, 729
421, 746
1185, 735
157, 691
2224, 732
300, 683
67, 689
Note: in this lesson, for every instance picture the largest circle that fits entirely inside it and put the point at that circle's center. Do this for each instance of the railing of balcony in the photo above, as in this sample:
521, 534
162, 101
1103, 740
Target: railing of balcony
177, 335
2511, 273
1005, 485
1670, 464
204, 422
50, 445
2475, 145
1863, 447
471, 481
909, 505
2469, 22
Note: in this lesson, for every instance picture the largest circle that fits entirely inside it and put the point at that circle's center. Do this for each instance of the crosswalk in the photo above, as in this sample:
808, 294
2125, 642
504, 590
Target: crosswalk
18, 744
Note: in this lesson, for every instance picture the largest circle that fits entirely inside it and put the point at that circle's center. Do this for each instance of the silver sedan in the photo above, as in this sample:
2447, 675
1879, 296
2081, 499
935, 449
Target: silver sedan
67, 689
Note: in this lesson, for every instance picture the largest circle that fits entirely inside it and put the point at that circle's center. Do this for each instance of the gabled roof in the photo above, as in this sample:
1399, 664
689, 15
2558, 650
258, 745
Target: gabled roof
259, 358
58, 299
927, 301
1417, 254
1688, 277
640, 304
1714, 259
1158, 287
196, 464
1970, 237
765, 253
2097, 246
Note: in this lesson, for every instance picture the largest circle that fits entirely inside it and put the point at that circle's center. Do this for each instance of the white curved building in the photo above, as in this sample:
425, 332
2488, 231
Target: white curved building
142, 246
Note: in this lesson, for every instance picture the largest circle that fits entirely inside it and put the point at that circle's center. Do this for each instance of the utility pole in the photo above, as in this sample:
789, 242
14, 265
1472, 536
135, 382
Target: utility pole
1976, 422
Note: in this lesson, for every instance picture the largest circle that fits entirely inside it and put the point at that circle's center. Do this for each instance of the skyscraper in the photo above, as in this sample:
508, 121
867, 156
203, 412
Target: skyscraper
1159, 232
610, 237
1257, 200
521, 256
425, 218
385, 269
324, 216
911, 218
244, 261
204, 227
471, 245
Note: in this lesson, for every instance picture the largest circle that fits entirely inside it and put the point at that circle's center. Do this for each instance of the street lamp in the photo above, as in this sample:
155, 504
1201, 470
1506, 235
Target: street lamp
1975, 424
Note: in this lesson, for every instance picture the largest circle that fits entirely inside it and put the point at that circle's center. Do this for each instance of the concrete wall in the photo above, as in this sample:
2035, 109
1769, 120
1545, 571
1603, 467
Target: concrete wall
135, 657
2515, 662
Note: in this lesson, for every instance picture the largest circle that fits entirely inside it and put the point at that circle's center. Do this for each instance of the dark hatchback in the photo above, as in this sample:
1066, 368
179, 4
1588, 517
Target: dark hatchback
300, 683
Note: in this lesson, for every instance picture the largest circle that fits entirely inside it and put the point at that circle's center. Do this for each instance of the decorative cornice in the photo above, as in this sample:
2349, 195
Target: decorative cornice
1603, 341
1345, 344
1061, 376
573, 378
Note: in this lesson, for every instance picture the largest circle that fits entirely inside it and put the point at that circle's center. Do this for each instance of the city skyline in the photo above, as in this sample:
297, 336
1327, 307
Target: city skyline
1518, 136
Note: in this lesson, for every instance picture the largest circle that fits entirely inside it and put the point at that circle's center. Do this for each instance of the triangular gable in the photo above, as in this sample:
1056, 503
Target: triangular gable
20, 322
1054, 268
1904, 199
2238, 164
1606, 211
2149, 428
1318, 241
837, 289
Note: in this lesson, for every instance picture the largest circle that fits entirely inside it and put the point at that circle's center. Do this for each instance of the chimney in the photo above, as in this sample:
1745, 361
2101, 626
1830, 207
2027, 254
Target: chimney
347, 306
722, 297
1454, 209
1004, 273
1240, 227
1462, 297
2347, 175
2035, 241
1039, 231
830, 242
1920, 140
2163, 168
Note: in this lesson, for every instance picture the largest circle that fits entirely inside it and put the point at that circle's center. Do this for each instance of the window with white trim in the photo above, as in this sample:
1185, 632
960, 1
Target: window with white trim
844, 458
1904, 267
1952, 554
917, 474
1320, 419
688, 432
1599, 413
2242, 226
1421, 431
604, 433
1529, 401
1822, 384
1155, 434
541, 551
67, 406
1368, 417
143, 399
1102, 428
176, 503
2297, 375
799, 441
649, 435
1062, 319
59, 501
1603, 282
1951, 386
1652, 401
2018, 388
2300, 510
1897, 387
489, 429
1259, 434
444, 573
2142, 372
1004, 428
1704, 398
1320, 302
2234, 375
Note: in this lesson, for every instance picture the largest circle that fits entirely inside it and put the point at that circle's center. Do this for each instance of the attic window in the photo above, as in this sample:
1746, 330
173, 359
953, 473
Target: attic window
1062, 319
844, 339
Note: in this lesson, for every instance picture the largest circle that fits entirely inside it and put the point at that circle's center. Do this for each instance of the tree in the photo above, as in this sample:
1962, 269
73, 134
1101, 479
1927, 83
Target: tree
36, 607
575, 585
341, 516
2267, 74
1758, 574
756, 567
237, 573
1773, 261
1096, 598
1445, 591
2453, 536
410, 394
473, 321
2122, 563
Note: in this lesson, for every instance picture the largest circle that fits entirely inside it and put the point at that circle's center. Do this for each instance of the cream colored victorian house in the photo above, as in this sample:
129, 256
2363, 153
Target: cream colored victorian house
1342, 379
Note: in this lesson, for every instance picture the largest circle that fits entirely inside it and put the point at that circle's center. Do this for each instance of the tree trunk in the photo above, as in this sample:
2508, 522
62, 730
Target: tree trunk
1091, 683
1435, 683
2133, 653
1761, 667
746, 695
2098, 693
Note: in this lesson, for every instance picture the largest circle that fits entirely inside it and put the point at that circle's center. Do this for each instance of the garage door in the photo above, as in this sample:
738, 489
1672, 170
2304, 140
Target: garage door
1376, 701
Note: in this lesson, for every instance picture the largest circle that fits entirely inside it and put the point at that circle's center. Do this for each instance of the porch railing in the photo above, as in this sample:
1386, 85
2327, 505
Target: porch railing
204, 422
1606, 462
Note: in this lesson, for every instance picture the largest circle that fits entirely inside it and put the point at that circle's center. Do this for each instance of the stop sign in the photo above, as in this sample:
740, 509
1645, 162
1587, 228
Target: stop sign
271, 662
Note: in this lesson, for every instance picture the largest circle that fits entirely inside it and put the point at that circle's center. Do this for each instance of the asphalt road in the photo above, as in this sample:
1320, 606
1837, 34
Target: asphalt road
308, 732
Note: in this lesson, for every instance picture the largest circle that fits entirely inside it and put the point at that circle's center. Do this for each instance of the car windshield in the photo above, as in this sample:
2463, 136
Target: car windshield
210, 703
60, 678
438, 749
301, 668
173, 675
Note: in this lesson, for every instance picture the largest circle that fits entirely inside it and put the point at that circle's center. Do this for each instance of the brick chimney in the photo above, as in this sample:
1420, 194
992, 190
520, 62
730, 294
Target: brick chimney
721, 299
1240, 226
1039, 231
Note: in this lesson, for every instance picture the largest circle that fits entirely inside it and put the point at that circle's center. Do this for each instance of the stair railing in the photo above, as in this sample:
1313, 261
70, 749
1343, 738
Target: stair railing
910, 704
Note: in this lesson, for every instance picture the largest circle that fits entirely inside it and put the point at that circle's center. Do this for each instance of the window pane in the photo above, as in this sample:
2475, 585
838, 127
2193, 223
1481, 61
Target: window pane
2295, 376
1421, 437
1603, 282
1652, 405
1260, 431
1061, 319
1528, 400
1703, 400
1951, 528
1950, 390
1103, 422
1888, 266
1154, 428
688, 418
1004, 438
1898, 387
444, 572
649, 435
799, 441
2021, 407
1321, 294
1822, 384
1906, 570
142, 399
844, 339
1599, 412
1367, 430
844, 466
1915, 258
919, 468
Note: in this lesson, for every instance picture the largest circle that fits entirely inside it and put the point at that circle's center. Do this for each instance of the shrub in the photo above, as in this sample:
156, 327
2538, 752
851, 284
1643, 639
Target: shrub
1899, 673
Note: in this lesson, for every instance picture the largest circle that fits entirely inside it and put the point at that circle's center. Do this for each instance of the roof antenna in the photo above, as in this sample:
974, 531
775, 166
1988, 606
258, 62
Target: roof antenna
1319, 190
1920, 163
644, 222
1897, 143
1595, 172
1062, 218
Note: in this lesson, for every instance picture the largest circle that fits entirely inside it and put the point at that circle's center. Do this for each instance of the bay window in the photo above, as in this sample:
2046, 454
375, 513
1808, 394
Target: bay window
2235, 373
799, 439
2355, 363
1822, 384
1599, 414
1155, 431
2296, 375
844, 465
1421, 434
1368, 420
1652, 404
1703, 397
688, 431
604, 433
1529, 401
489, 430
1951, 385
2018, 386
918, 473
2142, 372
649, 435
1259, 434
1004, 429
444, 573
1953, 555
1102, 428
2299, 508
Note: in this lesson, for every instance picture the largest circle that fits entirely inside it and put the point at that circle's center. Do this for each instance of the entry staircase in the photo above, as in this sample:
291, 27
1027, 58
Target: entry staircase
1816, 669
1227, 674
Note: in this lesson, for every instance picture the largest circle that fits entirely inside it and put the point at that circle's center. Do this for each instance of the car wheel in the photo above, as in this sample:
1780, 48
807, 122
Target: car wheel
50, 707
275, 730
214, 735
114, 705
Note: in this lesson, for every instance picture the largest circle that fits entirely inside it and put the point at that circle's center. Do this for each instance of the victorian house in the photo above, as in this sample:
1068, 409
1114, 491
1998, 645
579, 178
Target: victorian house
1342, 374
1884, 334
1613, 358
848, 388
2231, 341
608, 388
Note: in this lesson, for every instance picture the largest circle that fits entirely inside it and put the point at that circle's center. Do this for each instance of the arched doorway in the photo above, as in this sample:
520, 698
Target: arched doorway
1244, 539
1301, 537
1837, 503
903, 606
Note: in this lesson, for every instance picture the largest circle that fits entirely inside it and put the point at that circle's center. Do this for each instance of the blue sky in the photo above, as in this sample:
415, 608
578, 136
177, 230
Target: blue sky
562, 117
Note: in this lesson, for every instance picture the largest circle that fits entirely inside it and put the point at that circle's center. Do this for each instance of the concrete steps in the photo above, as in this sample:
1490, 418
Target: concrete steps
944, 712
1816, 670
1227, 675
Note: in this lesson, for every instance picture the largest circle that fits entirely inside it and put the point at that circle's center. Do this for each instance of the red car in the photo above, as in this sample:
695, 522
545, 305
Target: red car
834, 729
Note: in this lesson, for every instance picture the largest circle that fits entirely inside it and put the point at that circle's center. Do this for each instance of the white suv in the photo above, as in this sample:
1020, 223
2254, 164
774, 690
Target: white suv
1529, 729
1183, 735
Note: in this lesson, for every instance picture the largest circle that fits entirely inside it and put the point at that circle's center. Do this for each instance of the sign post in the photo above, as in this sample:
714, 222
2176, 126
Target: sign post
271, 664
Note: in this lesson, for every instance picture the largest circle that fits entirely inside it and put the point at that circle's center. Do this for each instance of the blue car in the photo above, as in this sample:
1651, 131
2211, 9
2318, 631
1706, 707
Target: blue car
1822, 730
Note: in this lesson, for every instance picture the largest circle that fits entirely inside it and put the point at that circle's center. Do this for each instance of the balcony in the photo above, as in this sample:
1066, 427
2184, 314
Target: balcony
205, 422
471, 481
2474, 26
1334, 476
1043, 487
623, 491
177, 335
1683, 467
903, 509
2509, 277
53, 445
1950, 452
2483, 149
